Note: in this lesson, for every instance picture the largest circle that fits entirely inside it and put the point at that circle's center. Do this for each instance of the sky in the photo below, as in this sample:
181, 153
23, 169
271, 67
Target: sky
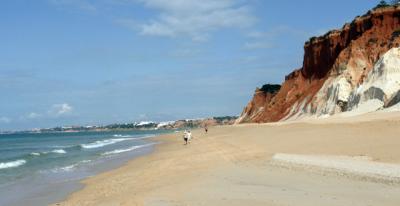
85, 62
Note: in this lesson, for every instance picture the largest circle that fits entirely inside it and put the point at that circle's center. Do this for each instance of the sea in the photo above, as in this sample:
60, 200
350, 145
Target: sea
43, 168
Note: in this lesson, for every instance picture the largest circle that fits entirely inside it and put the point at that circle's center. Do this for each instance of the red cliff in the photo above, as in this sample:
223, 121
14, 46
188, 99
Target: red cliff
351, 51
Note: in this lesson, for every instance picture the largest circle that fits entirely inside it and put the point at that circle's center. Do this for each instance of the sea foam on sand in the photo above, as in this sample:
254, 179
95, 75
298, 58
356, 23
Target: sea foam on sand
360, 166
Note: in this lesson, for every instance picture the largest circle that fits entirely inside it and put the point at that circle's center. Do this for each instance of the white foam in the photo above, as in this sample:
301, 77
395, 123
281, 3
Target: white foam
85, 161
102, 143
117, 151
120, 135
355, 166
59, 151
35, 153
64, 169
58, 146
16, 163
69, 167
133, 137
145, 137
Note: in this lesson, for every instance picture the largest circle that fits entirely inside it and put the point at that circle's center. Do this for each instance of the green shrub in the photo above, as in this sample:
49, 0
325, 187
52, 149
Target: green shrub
270, 88
382, 4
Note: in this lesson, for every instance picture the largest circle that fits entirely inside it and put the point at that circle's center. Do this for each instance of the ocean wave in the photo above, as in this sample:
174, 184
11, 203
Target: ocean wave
147, 136
67, 168
58, 146
59, 151
120, 135
102, 143
16, 163
64, 169
134, 137
117, 151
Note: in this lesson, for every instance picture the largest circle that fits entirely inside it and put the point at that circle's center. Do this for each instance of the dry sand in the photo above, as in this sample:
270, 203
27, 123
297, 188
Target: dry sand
231, 166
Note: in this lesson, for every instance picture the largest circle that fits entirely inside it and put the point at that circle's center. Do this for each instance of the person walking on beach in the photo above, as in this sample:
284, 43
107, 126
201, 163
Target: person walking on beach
206, 128
187, 135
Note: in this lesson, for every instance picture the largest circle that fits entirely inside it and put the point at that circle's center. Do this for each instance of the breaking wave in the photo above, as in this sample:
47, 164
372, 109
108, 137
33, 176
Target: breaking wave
69, 167
134, 137
102, 143
16, 163
117, 151
35, 154
120, 135
57, 151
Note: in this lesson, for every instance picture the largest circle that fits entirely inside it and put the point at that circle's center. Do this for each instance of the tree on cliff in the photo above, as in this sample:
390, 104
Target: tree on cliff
270, 88
382, 4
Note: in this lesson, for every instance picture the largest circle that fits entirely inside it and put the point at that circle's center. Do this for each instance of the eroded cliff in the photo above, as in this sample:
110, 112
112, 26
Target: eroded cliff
334, 65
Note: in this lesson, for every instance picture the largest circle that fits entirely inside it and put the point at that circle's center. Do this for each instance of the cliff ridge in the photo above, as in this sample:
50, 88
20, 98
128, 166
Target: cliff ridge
334, 66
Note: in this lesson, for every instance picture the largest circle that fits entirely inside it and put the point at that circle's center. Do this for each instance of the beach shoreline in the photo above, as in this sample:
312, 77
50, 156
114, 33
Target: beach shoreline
230, 165
54, 170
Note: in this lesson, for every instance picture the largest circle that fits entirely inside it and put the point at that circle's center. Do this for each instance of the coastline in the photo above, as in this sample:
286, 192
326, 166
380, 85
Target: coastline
44, 184
231, 166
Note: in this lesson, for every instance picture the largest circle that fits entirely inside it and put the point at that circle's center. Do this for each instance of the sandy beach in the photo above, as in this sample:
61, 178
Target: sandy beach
231, 165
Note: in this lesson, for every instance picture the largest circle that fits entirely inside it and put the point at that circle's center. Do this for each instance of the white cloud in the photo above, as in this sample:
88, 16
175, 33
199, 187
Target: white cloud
60, 109
195, 18
33, 115
5, 120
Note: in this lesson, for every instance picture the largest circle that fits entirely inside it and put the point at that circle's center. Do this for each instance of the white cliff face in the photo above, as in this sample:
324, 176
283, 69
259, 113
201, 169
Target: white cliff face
382, 83
333, 96
380, 88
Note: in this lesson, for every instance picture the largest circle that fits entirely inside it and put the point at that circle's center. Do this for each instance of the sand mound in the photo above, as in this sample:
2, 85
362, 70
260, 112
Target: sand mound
361, 167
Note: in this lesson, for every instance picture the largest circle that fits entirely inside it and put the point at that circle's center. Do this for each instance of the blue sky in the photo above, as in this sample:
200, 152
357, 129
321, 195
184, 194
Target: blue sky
70, 62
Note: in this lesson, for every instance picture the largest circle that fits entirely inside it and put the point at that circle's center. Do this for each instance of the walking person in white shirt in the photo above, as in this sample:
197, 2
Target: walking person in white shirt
187, 136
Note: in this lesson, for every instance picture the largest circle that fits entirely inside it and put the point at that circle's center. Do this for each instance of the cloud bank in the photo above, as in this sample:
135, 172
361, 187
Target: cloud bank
195, 18
60, 109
